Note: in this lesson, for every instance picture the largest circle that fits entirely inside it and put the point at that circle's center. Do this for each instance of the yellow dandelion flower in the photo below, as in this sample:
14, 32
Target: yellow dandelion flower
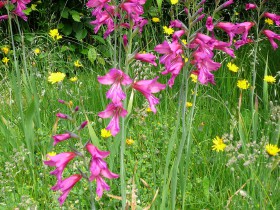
168, 30
56, 77
173, 2
148, 109
269, 79
55, 34
78, 64
219, 144
129, 141
73, 79
243, 84
268, 21
36, 51
105, 133
188, 104
272, 149
184, 41
155, 19
5, 50
232, 67
5, 60
194, 78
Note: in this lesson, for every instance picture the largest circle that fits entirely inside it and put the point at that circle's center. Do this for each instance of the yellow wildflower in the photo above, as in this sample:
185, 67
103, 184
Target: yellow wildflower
155, 19
5, 60
37, 51
105, 133
269, 79
148, 109
54, 34
56, 77
188, 104
243, 84
168, 30
268, 21
129, 141
232, 67
73, 79
5, 50
219, 144
194, 78
77, 64
173, 2
236, 13
272, 149
184, 41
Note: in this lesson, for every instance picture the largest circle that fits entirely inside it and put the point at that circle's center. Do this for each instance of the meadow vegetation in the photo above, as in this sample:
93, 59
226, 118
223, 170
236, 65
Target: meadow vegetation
139, 104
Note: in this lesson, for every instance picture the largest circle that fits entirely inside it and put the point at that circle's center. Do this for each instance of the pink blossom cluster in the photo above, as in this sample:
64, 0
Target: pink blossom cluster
268, 33
20, 6
107, 14
117, 78
98, 167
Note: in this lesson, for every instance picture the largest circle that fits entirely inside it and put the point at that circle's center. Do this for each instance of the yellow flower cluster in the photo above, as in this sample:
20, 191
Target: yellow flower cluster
194, 78
268, 21
56, 77
232, 67
105, 133
173, 2
243, 84
269, 79
78, 64
219, 144
55, 34
155, 19
168, 30
5, 50
272, 149
129, 141
5, 60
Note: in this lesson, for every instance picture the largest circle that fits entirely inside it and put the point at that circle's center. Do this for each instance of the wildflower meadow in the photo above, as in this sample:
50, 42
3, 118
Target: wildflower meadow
140, 104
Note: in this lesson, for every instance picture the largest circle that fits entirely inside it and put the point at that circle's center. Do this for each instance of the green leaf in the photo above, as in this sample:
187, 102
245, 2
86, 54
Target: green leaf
159, 3
65, 13
75, 15
92, 54
98, 38
81, 34
101, 61
27, 11
206, 187
67, 29
93, 136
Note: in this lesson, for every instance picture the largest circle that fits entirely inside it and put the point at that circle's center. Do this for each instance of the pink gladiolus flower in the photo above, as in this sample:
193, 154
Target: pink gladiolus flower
99, 169
171, 59
147, 87
175, 24
209, 24
61, 101
116, 78
84, 124
125, 40
60, 161
148, 57
233, 29
274, 17
250, 6
226, 4
133, 7
177, 34
65, 186
21, 5
104, 17
63, 116
271, 36
114, 110
62, 137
